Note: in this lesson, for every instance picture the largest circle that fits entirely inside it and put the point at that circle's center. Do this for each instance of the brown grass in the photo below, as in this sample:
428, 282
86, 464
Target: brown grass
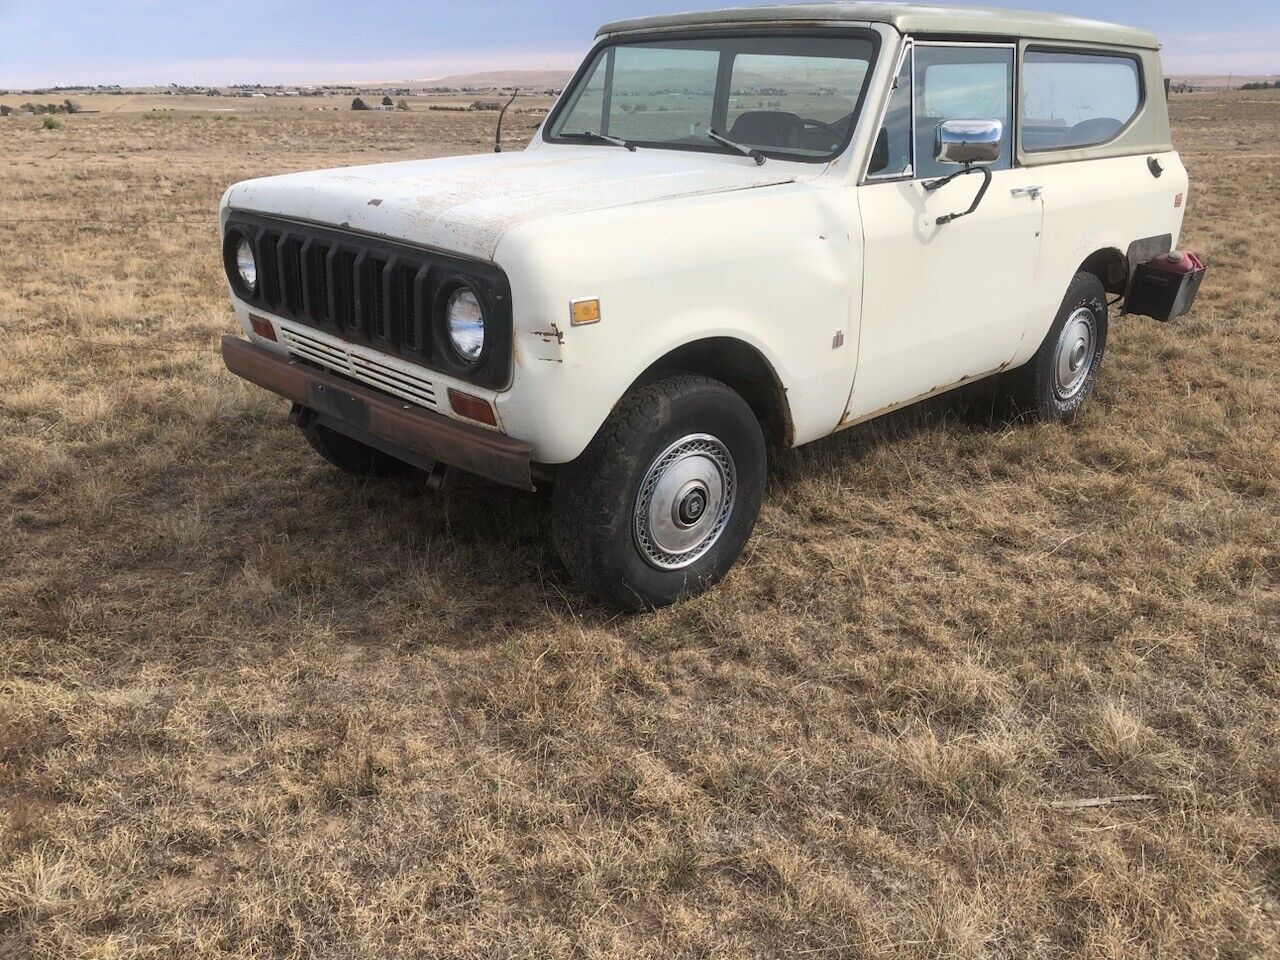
251, 708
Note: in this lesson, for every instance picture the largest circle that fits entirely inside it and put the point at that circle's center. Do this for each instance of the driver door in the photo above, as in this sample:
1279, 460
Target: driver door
943, 304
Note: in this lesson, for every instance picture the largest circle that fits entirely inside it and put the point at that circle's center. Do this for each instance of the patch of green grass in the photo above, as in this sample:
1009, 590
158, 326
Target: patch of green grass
158, 115
50, 123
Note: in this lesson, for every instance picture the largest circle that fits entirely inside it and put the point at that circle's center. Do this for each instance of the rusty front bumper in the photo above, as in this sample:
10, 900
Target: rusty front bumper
386, 422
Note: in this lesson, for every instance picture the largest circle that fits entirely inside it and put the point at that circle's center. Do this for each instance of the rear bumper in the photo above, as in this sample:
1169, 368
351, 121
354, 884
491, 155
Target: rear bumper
381, 420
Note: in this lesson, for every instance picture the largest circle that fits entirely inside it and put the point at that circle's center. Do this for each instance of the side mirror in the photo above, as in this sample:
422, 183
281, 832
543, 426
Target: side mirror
966, 142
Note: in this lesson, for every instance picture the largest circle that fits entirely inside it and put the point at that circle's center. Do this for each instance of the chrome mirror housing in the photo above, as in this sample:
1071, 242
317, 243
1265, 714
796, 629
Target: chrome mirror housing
966, 142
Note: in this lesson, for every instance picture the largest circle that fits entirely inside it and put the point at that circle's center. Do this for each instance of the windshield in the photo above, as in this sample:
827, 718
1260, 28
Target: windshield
789, 96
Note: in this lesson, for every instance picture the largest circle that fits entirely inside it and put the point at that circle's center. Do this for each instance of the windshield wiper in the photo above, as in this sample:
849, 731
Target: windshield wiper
602, 137
755, 155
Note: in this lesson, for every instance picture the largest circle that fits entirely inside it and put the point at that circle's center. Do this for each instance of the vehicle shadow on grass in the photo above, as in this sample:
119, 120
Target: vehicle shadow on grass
976, 408
471, 539
482, 556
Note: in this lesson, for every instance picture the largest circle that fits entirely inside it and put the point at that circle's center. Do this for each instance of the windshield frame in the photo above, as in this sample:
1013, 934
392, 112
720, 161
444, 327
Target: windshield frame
577, 86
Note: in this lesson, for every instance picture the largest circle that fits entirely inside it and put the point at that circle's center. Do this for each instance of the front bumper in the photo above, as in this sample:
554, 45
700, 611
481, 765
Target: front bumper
383, 421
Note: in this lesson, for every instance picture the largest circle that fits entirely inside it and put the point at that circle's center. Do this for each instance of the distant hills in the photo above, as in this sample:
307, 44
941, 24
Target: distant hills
489, 79
1219, 81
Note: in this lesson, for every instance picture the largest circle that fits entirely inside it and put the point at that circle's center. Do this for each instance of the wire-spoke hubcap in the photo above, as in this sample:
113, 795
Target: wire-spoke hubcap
685, 502
1074, 355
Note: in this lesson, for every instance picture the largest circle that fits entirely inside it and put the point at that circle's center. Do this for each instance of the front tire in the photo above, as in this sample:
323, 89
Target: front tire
660, 505
352, 456
1055, 384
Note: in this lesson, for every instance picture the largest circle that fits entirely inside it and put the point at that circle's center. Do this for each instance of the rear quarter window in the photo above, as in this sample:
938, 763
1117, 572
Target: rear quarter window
1072, 100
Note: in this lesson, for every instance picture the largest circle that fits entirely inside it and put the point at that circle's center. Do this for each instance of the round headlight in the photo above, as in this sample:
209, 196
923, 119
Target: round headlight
465, 317
247, 265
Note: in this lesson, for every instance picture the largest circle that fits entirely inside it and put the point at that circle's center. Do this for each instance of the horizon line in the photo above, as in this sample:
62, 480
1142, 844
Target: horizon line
311, 84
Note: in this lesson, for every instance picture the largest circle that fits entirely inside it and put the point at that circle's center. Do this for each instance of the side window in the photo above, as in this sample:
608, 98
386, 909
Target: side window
588, 111
961, 83
1076, 99
891, 156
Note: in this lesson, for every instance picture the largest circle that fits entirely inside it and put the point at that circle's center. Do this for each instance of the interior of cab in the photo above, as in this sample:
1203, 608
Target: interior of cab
782, 129
788, 94
1069, 99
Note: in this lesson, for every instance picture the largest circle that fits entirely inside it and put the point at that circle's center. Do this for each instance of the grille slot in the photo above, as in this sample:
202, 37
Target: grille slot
289, 252
373, 298
342, 291
409, 305
268, 271
315, 282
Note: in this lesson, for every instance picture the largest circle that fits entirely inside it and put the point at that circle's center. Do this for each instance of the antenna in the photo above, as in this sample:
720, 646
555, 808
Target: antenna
497, 140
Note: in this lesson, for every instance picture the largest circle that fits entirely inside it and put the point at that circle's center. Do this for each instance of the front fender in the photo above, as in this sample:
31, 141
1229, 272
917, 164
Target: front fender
778, 268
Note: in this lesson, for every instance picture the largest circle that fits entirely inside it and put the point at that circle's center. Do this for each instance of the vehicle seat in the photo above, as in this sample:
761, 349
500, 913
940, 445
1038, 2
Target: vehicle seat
1095, 130
766, 128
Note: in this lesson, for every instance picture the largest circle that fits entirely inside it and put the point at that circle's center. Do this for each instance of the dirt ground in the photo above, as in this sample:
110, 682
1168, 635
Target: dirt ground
250, 707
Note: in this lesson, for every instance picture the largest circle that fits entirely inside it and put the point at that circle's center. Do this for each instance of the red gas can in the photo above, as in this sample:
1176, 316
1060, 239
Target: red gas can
1177, 262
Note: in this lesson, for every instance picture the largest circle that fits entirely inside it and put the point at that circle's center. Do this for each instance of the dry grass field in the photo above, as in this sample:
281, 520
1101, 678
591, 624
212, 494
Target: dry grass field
252, 708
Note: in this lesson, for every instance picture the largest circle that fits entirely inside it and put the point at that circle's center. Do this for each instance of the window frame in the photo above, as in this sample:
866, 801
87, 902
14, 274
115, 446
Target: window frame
912, 44
908, 54
1037, 47
566, 105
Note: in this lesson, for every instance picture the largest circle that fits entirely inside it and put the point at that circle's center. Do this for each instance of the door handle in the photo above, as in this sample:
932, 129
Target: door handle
1033, 192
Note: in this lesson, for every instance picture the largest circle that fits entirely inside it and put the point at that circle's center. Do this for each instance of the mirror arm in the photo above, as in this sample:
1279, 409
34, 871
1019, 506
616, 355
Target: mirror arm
977, 201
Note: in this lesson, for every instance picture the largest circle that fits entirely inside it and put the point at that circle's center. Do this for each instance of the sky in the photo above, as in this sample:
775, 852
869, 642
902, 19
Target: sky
145, 42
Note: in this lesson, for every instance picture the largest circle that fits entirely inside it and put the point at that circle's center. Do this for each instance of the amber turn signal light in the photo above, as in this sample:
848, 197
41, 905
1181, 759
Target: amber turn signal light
473, 408
263, 327
582, 312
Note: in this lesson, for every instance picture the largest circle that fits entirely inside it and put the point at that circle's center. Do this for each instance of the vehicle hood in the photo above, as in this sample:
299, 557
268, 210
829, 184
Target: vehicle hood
466, 204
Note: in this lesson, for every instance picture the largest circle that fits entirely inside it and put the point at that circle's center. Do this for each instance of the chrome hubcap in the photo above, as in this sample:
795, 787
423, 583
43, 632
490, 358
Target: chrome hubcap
1074, 355
685, 502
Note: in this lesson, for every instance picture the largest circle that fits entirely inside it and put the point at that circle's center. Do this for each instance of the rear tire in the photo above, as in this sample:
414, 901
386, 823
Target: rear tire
352, 456
661, 503
1055, 384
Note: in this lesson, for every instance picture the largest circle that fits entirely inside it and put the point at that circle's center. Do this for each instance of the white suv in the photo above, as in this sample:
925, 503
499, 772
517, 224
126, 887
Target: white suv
735, 228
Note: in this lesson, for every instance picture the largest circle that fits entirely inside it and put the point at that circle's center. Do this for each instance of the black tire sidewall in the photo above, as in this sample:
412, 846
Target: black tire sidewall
1085, 290
601, 536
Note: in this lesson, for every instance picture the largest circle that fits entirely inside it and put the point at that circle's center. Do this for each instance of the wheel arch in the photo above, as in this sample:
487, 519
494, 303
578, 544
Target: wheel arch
1111, 266
739, 366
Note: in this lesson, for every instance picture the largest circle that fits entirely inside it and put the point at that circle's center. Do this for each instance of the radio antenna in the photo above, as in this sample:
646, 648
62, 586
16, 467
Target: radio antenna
497, 140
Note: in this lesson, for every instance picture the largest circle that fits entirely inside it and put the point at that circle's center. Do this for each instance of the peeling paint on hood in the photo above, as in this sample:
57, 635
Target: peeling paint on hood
466, 204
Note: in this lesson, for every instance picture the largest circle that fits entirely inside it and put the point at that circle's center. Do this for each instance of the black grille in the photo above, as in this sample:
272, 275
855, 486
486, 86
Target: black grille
374, 292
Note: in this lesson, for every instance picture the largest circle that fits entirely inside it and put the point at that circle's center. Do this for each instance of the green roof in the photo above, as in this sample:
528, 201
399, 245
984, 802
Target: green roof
910, 18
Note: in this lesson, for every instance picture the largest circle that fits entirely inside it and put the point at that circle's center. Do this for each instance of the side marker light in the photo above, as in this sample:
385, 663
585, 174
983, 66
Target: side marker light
263, 327
583, 312
473, 408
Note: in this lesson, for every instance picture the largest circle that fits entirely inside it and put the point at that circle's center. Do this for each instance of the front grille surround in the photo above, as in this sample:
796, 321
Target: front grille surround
372, 292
